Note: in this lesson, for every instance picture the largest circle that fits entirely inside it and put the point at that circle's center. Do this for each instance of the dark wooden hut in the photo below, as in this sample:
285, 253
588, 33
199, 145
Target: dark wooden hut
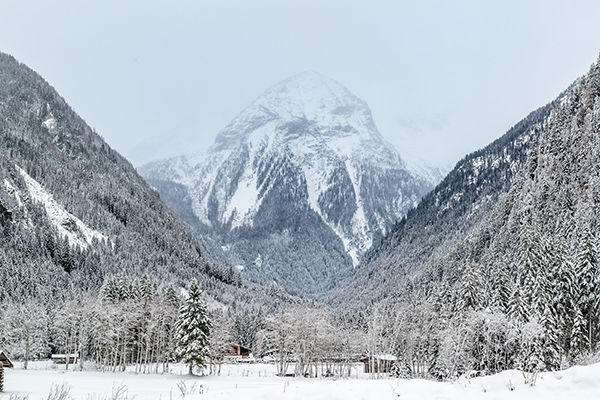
4, 363
381, 363
236, 352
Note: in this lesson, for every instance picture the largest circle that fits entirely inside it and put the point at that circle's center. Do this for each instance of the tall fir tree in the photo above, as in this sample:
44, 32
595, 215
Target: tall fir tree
470, 288
578, 340
501, 299
532, 272
562, 291
516, 307
588, 283
551, 339
193, 330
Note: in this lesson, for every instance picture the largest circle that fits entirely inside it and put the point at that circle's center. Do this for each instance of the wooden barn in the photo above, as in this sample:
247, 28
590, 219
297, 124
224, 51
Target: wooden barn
237, 352
380, 363
4, 363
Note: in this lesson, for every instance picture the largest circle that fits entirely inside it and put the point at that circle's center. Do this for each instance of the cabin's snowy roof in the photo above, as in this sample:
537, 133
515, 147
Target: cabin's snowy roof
64, 355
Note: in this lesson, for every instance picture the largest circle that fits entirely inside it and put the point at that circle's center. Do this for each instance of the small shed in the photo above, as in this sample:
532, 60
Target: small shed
380, 363
5, 361
237, 352
64, 358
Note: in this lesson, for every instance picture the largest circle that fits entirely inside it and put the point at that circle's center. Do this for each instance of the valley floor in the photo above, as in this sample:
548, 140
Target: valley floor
257, 381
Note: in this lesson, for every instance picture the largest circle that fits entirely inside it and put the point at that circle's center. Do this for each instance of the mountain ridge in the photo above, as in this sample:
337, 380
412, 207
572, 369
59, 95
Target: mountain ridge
434, 232
308, 143
76, 213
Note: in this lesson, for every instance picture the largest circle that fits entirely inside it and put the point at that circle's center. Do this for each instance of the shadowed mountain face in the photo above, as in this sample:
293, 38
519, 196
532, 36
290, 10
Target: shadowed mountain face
295, 189
73, 211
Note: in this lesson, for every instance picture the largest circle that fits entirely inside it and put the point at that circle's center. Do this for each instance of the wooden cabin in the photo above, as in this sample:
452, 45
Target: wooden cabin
5, 361
63, 358
236, 352
380, 363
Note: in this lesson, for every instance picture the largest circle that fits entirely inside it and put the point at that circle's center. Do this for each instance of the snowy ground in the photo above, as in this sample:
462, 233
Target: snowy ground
257, 381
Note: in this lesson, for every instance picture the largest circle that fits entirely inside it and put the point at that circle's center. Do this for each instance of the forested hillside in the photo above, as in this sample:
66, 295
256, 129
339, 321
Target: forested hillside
75, 216
41, 137
447, 215
498, 267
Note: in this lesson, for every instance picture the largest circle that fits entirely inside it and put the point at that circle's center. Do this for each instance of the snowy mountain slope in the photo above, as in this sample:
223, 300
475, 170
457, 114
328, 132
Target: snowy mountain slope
73, 212
67, 225
310, 149
453, 225
433, 174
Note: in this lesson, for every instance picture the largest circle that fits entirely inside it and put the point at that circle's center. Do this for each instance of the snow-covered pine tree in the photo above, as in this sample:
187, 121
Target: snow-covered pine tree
516, 307
400, 370
578, 336
442, 299
588, 282
109, 291
562, 293
593, 87
501, 296
125, 287
532, 272
145, 289
170, 297
551, 339
193, 330
469, 296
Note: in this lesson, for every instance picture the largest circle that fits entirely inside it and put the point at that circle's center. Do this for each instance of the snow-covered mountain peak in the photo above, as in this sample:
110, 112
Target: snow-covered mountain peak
311, 95
308, 107
304, 158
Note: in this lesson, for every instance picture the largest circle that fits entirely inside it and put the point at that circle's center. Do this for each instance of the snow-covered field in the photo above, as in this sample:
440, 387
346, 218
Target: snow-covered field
257, 381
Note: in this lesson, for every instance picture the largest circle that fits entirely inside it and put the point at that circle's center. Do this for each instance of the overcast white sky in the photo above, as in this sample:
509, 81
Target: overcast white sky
443, 78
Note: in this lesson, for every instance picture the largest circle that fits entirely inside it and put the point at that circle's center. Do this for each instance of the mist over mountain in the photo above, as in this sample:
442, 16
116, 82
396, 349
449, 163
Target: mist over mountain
296, 188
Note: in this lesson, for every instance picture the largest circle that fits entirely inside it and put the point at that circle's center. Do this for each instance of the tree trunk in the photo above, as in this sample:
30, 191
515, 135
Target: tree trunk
67, 351
26, 362
590, 331
80, 353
